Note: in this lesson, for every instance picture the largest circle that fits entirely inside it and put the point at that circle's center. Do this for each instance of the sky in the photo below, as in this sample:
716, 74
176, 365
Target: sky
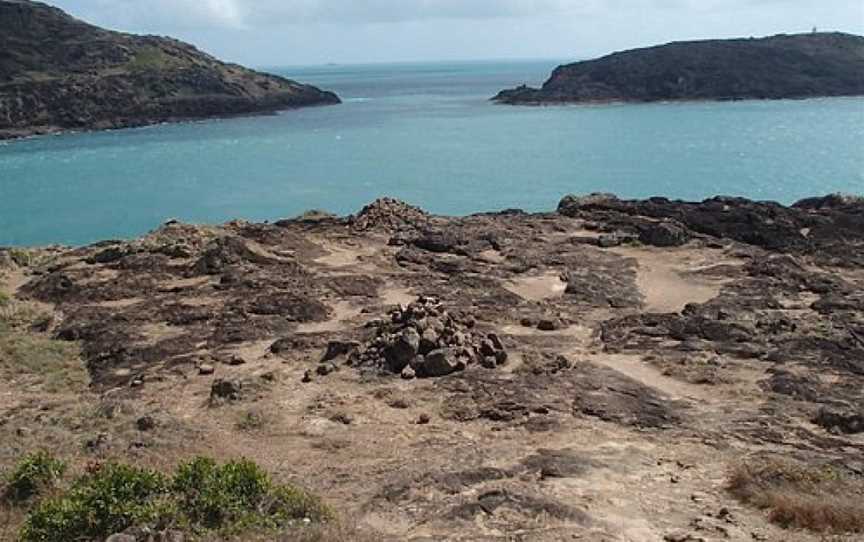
265, 33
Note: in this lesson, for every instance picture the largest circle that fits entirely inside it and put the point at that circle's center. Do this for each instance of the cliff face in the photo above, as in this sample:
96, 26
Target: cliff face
785, 66
57, 73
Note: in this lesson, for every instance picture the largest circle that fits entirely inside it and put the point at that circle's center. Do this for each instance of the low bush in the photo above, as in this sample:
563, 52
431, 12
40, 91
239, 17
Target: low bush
201, 497
795, 495
107, 500
32, 475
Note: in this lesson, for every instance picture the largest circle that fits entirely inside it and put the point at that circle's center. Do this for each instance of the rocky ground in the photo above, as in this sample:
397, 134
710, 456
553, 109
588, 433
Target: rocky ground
596, 373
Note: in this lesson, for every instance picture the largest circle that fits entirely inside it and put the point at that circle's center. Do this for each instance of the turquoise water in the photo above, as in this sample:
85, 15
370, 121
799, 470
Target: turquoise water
425, 133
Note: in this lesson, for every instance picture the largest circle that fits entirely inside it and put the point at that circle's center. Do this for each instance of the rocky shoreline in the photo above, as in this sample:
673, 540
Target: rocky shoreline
60, 74
602, 366
777, 67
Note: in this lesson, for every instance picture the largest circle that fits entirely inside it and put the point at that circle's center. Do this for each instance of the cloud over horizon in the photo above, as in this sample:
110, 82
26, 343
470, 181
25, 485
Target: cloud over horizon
264, 31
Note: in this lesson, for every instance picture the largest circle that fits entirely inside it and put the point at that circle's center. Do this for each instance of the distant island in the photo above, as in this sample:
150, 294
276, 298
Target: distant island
58, 73
777, 67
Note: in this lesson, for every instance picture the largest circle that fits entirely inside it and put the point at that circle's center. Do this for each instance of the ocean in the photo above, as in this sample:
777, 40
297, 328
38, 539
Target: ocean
426, 133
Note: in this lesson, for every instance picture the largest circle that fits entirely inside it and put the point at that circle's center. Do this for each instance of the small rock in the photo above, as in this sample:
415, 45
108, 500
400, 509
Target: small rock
307, 377
145, 423
549, 324
226, 389
235, 361
489, 362
343, 418
408, 373
609, 241
98, 443
423, 419
206, 369
325, 369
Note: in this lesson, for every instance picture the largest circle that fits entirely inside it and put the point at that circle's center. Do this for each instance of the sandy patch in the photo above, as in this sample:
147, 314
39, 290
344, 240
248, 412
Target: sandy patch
343, 313
669, 279
397, 296
546, 286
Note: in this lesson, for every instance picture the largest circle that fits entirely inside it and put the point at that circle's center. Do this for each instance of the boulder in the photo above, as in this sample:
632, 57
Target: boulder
848, 422
442, 362
403, 350
664, 234
571, 205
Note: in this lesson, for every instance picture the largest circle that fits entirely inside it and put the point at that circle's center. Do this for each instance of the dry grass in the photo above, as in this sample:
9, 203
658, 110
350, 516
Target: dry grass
819, 498
46, 364
337, 531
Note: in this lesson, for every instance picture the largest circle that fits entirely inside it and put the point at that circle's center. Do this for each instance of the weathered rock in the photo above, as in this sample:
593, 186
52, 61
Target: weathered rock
849, 422
571, 205
664, 234
442, 362
145, 423
402, 350
226, 390
549, 324
337, 349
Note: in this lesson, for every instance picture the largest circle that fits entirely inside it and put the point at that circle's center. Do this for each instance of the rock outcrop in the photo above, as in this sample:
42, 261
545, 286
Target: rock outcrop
59, 73
777, 67
444, 376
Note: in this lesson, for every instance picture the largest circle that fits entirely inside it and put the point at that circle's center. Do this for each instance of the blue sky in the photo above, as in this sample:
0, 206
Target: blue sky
290, 32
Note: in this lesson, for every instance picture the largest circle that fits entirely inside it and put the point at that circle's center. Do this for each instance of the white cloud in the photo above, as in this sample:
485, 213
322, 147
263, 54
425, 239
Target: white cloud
304, 31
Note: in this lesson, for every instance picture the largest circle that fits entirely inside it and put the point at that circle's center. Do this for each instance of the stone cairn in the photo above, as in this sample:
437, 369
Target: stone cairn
424, 340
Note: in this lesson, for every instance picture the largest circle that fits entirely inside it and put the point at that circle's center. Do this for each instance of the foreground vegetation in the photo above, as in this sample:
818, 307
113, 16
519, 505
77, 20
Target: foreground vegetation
201, 498
795, 495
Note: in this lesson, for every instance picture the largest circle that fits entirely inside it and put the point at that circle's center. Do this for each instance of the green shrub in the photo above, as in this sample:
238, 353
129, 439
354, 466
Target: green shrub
214, 496
32, 475
202, 496
108, 500
239, 493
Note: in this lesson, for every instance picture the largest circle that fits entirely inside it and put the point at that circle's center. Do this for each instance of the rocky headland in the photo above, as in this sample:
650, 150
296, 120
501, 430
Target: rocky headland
58, 73
777, 67
616, 370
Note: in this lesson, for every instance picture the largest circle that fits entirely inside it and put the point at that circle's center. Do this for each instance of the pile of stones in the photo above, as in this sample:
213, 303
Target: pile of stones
424, 340
390, 215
